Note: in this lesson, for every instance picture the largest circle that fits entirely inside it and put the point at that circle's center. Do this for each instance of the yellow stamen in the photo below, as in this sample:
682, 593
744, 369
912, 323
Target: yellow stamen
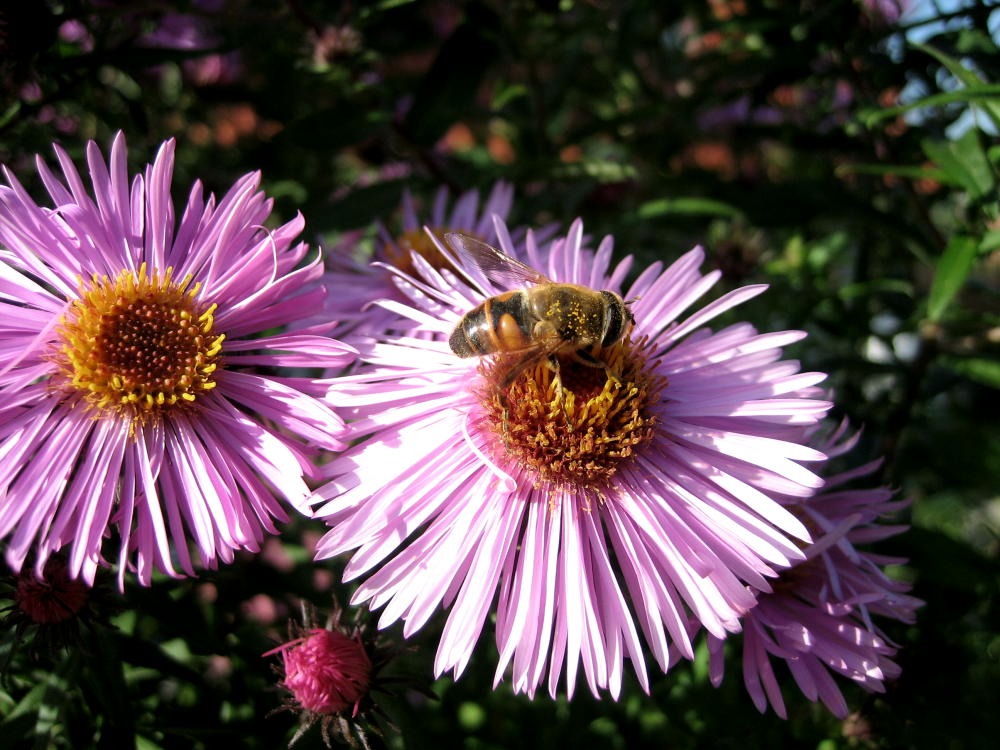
138, 346
576, 429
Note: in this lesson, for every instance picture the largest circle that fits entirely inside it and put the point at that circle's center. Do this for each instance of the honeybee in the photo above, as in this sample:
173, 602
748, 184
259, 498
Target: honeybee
536, 323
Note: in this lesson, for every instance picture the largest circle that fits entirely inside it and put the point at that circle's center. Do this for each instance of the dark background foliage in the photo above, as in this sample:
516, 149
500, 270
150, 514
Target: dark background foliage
842, 153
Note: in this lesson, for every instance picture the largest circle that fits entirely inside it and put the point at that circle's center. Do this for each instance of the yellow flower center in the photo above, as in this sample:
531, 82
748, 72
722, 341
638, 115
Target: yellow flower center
138, 346
574, 431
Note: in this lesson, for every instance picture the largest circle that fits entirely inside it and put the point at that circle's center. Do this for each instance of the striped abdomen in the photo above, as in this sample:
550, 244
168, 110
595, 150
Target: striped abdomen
500, 324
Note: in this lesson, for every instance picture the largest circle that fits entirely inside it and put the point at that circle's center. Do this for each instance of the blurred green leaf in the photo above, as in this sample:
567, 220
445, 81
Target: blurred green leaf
370, 9
358, 208
949, 563
686, 206
952, 270
984, 93
964, 161
506, 94
989, 242
597, 169
968, 77
867, 288
10, 113
106, 692
980, 369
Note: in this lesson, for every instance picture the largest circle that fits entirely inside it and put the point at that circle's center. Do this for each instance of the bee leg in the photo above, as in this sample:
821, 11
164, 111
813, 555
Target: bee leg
513, 373
504, 414
501, 394
585, 358
553, 363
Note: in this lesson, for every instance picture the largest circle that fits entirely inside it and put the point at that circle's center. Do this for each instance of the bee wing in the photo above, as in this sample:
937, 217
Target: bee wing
496, 264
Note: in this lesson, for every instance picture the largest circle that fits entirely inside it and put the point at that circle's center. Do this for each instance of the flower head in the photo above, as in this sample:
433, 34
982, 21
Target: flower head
49, 612
593, 498
326, 671
353, 285
330, 673
55, 598
128, 396
818, 618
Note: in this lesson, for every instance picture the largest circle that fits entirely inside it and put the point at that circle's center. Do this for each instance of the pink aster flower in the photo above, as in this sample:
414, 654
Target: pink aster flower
818, 618
128, 396
354, 284
591, 517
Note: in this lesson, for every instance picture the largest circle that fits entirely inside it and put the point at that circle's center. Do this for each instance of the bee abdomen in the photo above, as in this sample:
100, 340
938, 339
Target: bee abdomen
498, 324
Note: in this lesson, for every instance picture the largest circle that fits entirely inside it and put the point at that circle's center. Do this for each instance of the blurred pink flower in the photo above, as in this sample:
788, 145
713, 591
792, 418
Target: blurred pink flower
354, 284
183, 31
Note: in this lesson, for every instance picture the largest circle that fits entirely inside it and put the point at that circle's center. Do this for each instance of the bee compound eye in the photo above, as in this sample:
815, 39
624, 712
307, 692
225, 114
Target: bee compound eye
614, 318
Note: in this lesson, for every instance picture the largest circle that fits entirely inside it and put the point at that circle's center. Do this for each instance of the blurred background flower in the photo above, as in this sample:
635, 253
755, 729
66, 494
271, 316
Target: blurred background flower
354, 284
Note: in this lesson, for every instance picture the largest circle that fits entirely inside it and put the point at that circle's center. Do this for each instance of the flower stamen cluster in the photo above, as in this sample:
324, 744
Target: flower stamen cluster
139, 345
575, 428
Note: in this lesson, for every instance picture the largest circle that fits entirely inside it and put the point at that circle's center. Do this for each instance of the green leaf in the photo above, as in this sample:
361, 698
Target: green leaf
980, 369
875, 286
952, 270
10, 113
968, 77
985, 93
358, 208
507, 94
964, 160
364, 11
596, 169
899, 170
989, 242
686, 206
